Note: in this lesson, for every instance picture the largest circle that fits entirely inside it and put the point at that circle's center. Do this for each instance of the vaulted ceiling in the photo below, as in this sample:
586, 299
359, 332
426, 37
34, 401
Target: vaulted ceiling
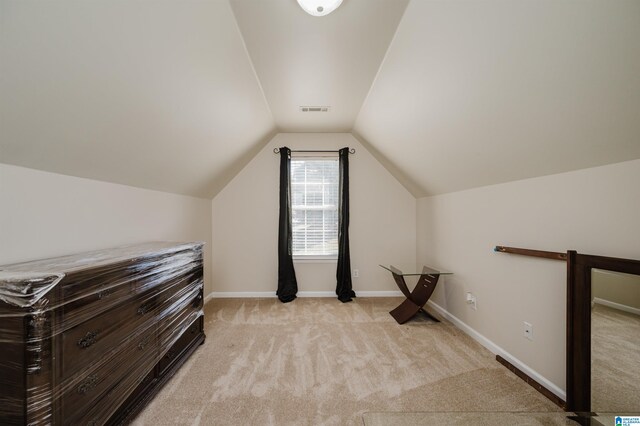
178, 95
473, 93
305, 60
156, 94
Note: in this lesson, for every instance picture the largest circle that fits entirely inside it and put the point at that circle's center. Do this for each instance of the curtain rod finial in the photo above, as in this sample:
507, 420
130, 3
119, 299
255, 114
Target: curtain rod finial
276, 150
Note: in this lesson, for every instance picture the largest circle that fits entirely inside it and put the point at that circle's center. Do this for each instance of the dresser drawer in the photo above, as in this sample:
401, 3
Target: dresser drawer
183, 342
134, 398
120, 394
97, 337
102, 284
95, 396
163, 278
177, 312
87, 294
177, 291
103, 300
94, 291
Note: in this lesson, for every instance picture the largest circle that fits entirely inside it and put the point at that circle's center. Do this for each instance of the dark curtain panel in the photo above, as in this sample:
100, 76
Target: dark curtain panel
343, 275
287, 283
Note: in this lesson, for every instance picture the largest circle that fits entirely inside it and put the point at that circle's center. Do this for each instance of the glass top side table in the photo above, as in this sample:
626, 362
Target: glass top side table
414, 300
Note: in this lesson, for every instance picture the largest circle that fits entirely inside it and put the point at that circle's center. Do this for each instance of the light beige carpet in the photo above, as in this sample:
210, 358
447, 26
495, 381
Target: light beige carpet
322, 362
472, 419
615, 366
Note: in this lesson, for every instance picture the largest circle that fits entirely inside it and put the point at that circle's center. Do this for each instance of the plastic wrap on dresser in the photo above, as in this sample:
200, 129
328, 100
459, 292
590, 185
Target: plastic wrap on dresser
84, 339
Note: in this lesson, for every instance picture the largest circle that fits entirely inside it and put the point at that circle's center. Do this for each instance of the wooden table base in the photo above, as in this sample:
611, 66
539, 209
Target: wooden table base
416, 299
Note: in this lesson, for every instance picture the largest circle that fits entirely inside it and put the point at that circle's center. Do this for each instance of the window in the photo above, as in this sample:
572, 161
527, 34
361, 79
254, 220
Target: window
314, 207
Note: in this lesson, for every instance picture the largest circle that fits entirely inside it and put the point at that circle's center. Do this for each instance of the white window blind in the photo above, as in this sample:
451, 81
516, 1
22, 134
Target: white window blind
314, 206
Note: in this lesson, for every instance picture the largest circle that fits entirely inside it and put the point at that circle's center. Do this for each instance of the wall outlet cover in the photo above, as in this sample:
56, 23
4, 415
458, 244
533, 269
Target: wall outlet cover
471, 300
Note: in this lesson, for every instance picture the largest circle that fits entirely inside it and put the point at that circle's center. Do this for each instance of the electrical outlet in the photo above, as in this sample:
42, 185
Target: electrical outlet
356, 273
471, 301
528, 330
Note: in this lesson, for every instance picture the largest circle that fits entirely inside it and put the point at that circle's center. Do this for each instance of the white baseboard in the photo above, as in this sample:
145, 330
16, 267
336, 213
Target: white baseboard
393, 293
257, 294
316, 294
497, 350
239, 294
617, 306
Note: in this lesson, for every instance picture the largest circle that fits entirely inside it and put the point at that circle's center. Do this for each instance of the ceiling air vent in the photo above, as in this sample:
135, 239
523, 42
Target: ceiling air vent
314, 108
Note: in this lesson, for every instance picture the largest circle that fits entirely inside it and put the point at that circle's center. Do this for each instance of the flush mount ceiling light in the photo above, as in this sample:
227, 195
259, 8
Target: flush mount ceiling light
319, 7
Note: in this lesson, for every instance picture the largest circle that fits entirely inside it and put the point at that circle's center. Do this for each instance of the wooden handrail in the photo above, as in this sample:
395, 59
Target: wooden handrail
534, 253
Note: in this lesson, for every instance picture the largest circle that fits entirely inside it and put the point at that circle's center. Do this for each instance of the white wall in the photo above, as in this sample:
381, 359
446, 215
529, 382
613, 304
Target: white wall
245, 217
593, 211
46, 214
621, 289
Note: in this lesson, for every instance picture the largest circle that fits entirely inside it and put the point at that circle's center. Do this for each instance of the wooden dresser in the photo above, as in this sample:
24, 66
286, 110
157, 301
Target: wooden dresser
89, 339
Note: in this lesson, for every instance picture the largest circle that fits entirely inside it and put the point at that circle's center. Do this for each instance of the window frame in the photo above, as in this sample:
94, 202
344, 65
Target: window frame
316, 258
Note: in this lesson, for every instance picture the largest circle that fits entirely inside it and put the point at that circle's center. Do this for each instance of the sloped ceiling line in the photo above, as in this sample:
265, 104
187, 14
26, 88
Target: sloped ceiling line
159, 95
478, 93
449, 95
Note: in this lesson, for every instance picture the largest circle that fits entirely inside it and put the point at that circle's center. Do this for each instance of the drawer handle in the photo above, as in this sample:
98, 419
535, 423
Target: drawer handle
196, 301
144, 308
89, 383
105, 293
88, 339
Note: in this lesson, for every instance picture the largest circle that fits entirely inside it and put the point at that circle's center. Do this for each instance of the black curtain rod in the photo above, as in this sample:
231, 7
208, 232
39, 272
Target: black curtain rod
277, 150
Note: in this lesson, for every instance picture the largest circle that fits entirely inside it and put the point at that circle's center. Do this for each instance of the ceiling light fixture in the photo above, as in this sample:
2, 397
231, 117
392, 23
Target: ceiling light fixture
319, 7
